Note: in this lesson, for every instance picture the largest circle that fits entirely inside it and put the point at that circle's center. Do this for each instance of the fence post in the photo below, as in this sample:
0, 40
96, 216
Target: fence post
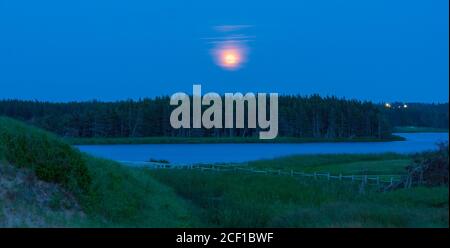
315, 176
292, 173
328, 176
362, 186
340, 177
392, 181
353, 178
378, 180
279, 172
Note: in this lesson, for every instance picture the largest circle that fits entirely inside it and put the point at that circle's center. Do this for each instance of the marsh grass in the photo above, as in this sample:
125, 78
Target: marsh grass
246, 200
345, 164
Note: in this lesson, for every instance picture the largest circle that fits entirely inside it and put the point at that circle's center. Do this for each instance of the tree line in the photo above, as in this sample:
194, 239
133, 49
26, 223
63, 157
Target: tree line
417, 114
299, 116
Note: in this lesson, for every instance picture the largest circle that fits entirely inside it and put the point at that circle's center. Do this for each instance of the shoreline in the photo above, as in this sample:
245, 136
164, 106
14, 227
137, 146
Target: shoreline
221, 140
414, 129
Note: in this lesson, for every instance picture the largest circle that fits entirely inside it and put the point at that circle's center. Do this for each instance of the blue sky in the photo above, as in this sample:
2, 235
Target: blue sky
106, 49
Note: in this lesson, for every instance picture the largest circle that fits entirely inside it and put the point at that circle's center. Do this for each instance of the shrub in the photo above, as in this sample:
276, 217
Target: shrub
429, 168
51, 159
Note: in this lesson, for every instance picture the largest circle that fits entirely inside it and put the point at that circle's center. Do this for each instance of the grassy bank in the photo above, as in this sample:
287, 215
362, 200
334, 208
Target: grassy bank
212, 140
27, 201
413, 129
127, 197
107, 193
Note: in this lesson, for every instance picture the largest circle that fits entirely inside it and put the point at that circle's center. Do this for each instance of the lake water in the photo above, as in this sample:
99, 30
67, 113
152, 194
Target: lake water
215, 153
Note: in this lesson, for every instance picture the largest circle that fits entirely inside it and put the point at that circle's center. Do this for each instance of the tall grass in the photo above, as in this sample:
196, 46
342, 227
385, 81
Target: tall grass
129, 197
248, 200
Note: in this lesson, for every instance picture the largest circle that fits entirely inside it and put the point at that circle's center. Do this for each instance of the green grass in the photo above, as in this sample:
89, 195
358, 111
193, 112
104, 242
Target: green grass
212, 140
345, 164
414, 129
129, 197
247, 200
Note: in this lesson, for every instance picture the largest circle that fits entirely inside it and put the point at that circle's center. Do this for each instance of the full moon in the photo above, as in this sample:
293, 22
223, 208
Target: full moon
230, 56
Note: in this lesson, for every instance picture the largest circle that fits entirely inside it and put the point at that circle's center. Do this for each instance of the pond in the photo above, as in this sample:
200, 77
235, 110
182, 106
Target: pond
223, 153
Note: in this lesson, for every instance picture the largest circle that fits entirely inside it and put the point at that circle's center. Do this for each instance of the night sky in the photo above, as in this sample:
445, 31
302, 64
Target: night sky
380, 50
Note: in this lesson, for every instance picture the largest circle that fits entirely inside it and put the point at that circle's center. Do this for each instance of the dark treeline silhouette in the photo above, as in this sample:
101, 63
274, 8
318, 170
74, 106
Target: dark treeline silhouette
299, 116
417, 114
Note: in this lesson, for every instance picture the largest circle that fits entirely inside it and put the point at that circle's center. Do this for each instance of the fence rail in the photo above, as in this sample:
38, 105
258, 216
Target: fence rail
366, 179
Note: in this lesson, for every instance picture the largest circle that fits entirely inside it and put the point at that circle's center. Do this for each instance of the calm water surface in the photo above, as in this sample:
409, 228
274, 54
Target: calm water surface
212, 153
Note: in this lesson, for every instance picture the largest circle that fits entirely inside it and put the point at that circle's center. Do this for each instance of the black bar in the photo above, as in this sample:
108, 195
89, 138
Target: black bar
281, 237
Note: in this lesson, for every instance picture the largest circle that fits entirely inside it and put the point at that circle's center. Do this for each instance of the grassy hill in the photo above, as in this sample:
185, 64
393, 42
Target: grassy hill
45, 182
103, 192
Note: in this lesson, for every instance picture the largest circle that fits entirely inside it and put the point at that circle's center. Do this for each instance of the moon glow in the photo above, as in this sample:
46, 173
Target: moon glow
230, 56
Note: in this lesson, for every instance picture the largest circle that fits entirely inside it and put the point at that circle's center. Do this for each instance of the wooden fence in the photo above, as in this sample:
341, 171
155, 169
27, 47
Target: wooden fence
243, 168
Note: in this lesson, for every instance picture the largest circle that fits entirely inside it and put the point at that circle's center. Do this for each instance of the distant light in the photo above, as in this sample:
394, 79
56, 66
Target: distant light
387, 105
405, 106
